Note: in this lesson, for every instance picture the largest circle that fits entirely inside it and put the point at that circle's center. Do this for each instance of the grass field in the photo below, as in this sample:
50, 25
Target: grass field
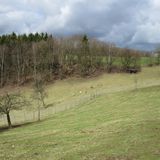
117, 117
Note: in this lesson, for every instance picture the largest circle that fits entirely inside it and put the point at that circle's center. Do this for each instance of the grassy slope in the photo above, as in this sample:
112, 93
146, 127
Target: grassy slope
71, 92
122, 125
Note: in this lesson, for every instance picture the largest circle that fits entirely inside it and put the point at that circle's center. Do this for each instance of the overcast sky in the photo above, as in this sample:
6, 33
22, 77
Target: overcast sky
127, 23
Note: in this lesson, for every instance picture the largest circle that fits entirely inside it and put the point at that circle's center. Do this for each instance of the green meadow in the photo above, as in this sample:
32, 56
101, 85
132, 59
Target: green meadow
109, 117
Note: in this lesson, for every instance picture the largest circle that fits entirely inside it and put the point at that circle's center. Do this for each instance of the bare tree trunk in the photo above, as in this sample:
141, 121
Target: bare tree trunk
39, 112
18, 68
2, 66
23, 73
34, 61
109, 58
42, 99
9, 120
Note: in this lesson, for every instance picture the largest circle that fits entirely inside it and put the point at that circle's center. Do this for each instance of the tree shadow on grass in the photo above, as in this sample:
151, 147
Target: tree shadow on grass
6, 128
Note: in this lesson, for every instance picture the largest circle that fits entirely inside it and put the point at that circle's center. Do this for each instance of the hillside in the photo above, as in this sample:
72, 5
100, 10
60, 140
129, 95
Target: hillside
114, 119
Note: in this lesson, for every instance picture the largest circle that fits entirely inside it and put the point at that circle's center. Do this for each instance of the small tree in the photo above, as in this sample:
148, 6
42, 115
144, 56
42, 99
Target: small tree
126, 59
39, 95
9, 102
130, 59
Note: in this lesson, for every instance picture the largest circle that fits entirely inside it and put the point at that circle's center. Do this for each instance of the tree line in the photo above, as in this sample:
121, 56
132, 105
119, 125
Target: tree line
12, 38
24, 57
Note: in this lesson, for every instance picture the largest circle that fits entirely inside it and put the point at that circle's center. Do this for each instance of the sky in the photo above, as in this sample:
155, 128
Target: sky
127, 23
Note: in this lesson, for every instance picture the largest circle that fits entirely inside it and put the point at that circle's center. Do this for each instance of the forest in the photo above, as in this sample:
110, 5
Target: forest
24, 57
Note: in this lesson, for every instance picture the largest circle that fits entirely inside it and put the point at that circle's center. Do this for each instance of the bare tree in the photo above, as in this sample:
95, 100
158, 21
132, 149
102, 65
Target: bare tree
9, 102
39, 95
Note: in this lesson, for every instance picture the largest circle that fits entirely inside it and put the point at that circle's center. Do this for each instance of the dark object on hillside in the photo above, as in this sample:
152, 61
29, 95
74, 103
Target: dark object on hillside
133, 70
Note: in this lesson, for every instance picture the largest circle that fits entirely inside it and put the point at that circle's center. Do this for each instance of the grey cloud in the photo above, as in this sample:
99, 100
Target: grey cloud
124, 22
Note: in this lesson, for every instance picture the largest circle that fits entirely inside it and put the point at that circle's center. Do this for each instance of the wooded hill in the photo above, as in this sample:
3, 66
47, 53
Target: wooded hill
23, 57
